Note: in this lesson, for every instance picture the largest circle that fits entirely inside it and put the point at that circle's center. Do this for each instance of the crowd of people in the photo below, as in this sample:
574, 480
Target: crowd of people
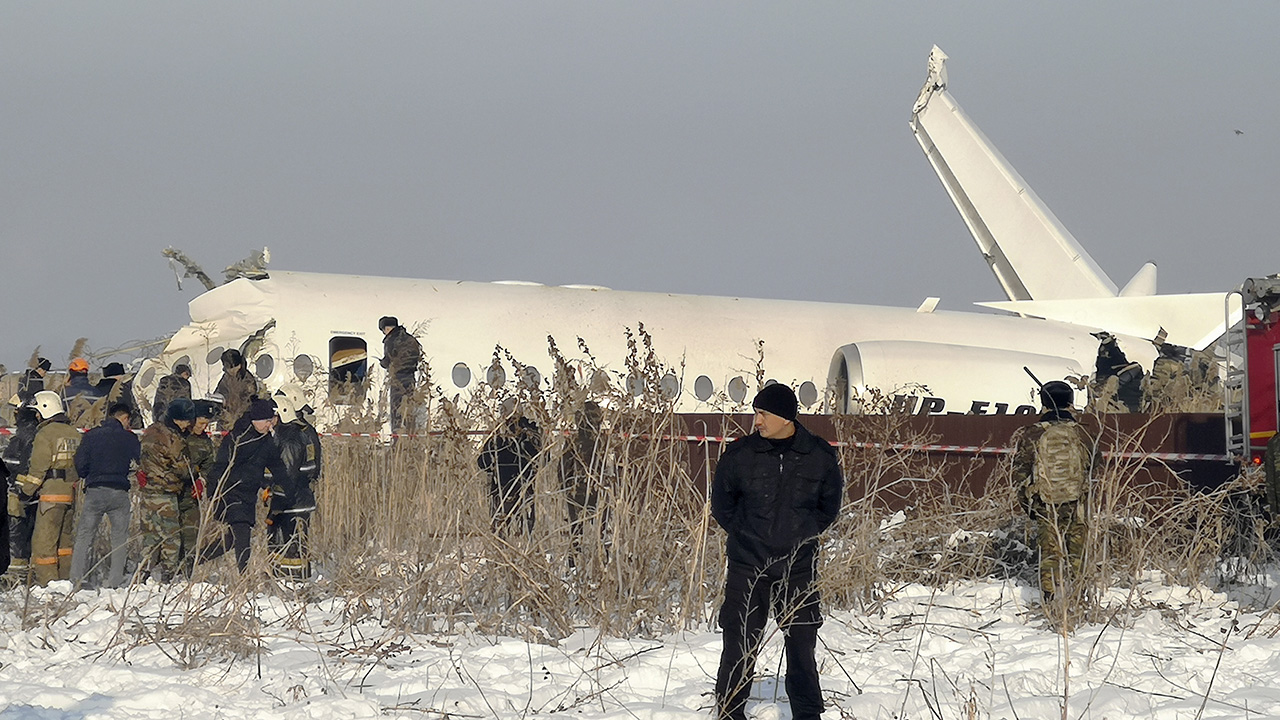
1181, 379
84, 444
774, 493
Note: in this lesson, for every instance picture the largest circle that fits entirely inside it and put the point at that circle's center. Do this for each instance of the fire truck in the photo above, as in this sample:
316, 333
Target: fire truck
1252, 389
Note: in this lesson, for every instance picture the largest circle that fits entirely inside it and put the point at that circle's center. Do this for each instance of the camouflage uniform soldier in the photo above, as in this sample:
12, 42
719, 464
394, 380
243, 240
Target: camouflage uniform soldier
1168, 387
1271, 466
201, 452
236, 388
165, 475
1053, 460
51, 476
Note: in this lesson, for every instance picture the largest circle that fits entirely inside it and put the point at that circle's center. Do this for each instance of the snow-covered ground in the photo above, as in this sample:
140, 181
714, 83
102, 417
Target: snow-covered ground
976, 650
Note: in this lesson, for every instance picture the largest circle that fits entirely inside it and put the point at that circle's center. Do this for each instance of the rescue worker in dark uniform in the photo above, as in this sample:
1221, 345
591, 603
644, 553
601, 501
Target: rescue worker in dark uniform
117, 387
1118, 380
292, 496
4, 526
775, 491
21, 508
1052, 463
246, 454
51, 477
80, 398
32, 381
508, 458
401, 353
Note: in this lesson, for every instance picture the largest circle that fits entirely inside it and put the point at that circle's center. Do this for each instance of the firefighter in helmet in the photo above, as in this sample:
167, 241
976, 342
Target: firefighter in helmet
292, 497
51, 478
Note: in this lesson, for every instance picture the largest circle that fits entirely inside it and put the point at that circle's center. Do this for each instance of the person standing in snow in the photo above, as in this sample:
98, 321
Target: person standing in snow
1053, 460
775, 491
107, 457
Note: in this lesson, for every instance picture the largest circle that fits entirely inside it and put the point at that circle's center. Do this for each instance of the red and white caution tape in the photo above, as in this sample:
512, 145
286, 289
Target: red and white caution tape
899, 447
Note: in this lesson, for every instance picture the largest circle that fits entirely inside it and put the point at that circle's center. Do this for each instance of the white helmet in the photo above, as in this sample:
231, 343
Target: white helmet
47, 404
296, 395
285, 409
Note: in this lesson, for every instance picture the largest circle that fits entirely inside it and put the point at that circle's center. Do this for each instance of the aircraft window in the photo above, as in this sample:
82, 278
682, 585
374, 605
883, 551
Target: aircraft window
184, 360
769, 382
147, 377
531, 378
635, 385
495, 376
670, 386
264, 366
214, 357
703, 388
349, 366
461, 375
738, 389
808, 393
303, 367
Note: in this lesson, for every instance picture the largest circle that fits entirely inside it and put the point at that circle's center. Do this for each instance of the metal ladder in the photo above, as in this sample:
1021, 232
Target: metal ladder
1236, 372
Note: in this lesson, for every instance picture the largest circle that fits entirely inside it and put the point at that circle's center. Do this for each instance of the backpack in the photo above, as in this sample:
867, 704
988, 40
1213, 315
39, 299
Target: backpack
1062, 464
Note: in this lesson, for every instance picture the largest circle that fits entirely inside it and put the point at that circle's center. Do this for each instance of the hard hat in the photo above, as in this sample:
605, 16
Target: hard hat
285, 408
79, 365
1057, 395
48, 404
296, 395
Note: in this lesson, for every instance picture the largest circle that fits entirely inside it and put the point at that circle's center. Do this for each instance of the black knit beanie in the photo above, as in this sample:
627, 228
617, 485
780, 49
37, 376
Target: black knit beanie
262, 409
777, 399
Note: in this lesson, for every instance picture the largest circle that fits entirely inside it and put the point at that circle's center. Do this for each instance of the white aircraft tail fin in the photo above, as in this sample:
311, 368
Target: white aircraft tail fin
1032, 255
1143, 282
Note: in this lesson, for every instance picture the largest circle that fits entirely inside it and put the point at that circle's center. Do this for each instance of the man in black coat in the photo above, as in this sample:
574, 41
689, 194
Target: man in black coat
116, 387
106, 459
239, 476
775, 491
20, 508
401, 352
170, 388
508, 458
32, 381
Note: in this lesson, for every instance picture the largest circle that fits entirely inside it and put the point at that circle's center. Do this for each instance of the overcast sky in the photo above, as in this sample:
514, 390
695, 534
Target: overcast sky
740, 148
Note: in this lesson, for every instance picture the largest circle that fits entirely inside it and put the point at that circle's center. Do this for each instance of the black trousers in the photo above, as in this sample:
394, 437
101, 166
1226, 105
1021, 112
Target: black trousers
235, 537
20, 529
748, 599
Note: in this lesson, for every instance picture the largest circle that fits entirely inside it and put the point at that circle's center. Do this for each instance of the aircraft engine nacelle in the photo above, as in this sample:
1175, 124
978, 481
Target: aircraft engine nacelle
936, 378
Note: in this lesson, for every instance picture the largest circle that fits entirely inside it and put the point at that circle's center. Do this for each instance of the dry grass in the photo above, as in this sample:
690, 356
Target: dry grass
403, 532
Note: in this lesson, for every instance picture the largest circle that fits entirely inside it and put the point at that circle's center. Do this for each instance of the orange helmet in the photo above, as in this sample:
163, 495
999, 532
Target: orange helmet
79, 365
